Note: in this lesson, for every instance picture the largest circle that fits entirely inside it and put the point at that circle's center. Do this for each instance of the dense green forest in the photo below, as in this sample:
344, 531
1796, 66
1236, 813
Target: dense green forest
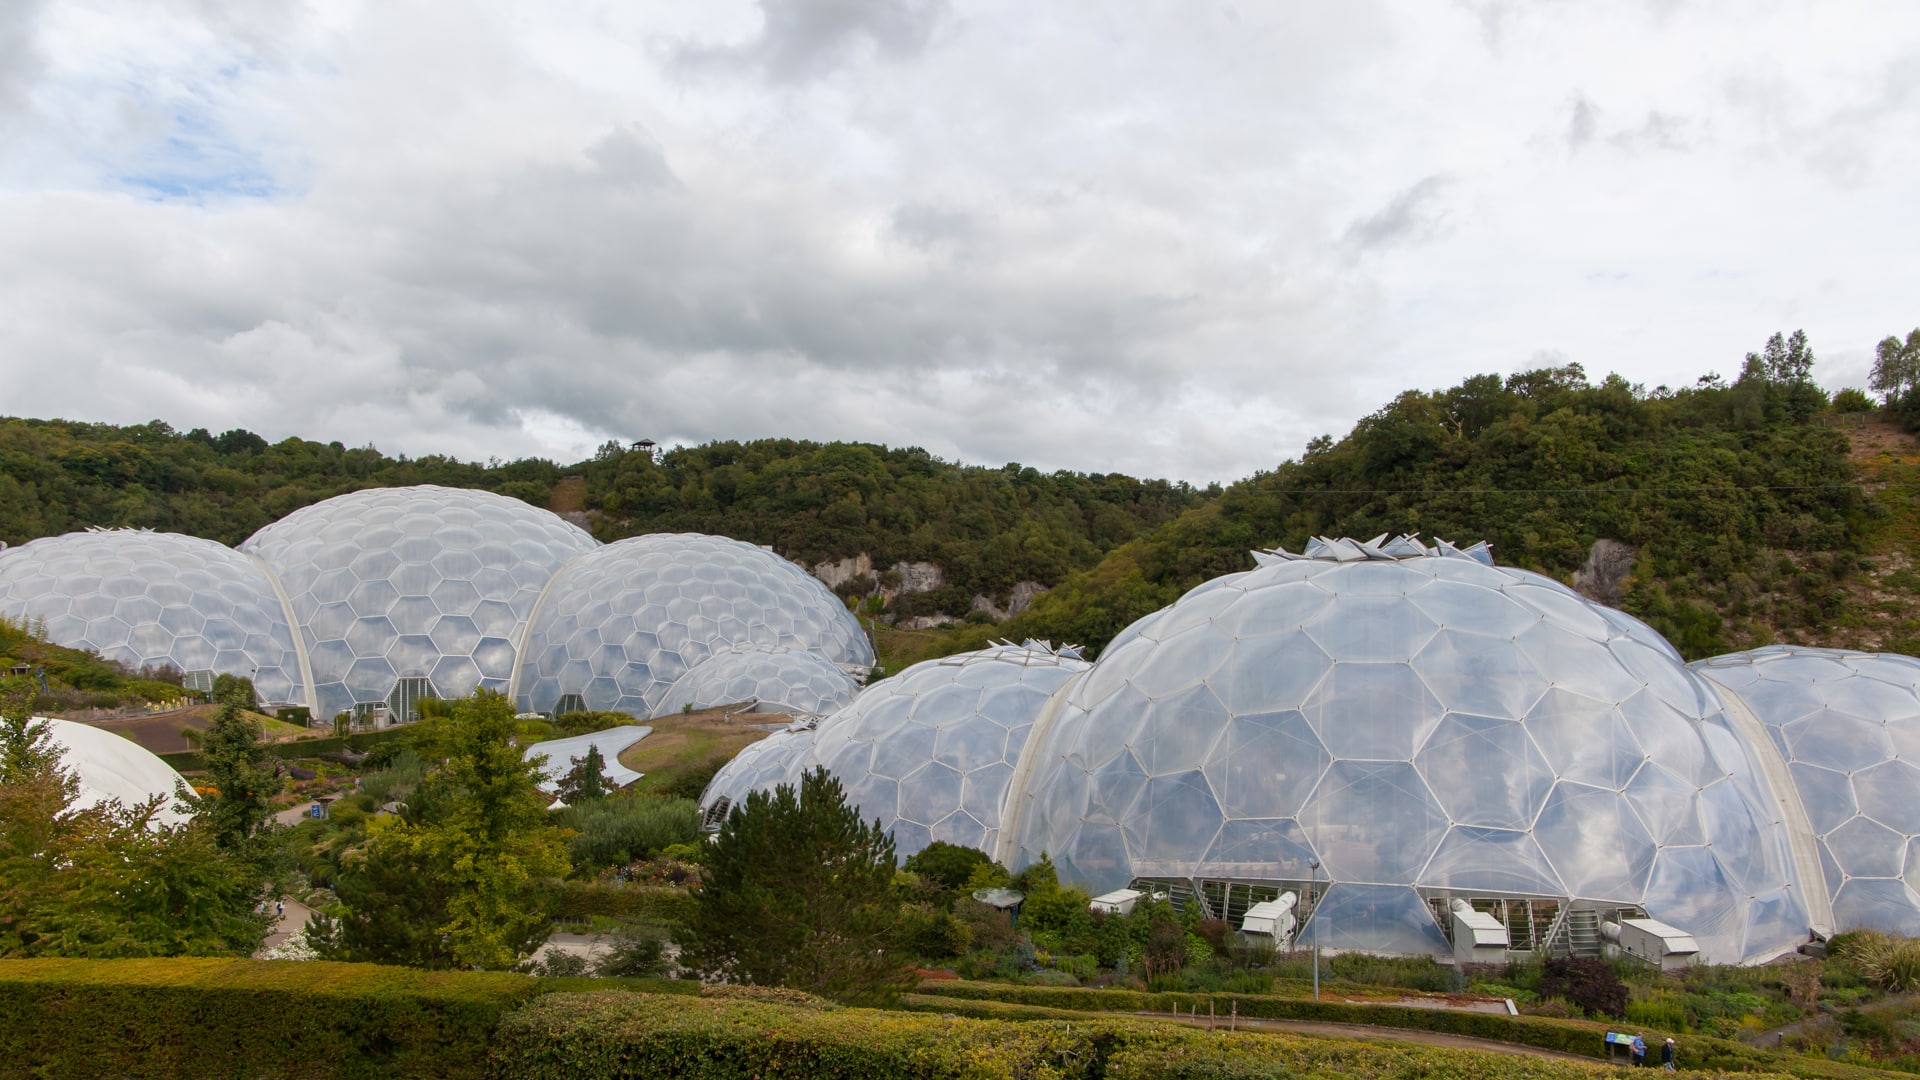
1739, 497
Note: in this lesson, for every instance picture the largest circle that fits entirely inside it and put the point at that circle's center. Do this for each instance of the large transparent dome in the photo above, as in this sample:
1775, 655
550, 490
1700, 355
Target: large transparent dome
784, 682
413, 583
931, 751
621, 624
1423, 725
147, 599
1848, 725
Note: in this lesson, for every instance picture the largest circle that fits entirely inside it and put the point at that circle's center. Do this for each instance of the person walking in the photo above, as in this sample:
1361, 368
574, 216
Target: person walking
1666, 1056
1639, 1057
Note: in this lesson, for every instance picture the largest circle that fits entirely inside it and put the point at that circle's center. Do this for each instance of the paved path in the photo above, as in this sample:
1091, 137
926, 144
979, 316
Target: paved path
291, 922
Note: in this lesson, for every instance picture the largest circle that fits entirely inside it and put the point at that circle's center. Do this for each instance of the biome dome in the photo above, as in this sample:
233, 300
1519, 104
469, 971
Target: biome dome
1421, 724
781, 681
1848, 726
148, 599
620, 624
759, 766
415, 583
109, 767
384, 596
1383, 728
930, 752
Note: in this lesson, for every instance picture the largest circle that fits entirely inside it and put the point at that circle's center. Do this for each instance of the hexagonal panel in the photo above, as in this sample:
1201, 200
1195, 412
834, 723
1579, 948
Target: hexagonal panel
1373, 821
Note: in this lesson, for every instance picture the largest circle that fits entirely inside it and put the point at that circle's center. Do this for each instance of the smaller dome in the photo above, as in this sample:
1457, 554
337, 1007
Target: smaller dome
621, 624
784, 681
931, 752
761, 766
110, 767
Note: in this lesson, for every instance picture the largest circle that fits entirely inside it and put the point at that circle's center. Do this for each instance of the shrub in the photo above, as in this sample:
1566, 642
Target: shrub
232, 1018
626, 903
613, 832
1588, 982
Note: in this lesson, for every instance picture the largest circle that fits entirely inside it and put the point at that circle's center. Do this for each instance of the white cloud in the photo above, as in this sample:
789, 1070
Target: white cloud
1074, 236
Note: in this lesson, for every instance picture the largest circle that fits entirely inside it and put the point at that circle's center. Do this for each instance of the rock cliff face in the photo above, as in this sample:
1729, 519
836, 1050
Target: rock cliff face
1607, 566
1018, 600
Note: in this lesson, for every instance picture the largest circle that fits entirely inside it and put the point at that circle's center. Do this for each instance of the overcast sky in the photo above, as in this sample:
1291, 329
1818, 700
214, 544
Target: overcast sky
1172, 239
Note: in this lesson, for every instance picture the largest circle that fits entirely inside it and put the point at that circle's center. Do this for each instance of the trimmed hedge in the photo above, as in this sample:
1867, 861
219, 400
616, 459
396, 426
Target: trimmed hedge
1567, 1036
134, 1019
192, 761
634, 903
601, 1036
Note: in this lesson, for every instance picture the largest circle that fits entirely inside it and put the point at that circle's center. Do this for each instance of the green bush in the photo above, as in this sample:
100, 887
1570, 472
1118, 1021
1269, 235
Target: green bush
133, 1019
590, 1036
1566, 1036
619, 830
627, 903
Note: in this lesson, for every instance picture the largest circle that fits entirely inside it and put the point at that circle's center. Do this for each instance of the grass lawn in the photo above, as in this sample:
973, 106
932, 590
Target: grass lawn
686, 742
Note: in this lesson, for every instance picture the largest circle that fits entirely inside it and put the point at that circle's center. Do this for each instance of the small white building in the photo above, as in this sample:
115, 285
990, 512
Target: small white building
1272, 918
1117, 902
1665, 947
1478, 938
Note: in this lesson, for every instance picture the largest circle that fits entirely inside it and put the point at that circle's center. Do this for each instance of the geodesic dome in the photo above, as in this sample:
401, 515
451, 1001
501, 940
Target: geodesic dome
413, 583
760, 766
785, 681
620, 624
1848, 726
145, 599
110, 767
1423, 725
931, 751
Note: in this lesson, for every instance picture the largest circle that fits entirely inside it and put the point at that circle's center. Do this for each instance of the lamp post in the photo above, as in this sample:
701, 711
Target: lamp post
1314, 867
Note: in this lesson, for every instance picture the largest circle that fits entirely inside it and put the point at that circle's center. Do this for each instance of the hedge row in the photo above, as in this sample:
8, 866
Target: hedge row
1567, 1036
192, 761
601, 1036
134, 1019
635, 903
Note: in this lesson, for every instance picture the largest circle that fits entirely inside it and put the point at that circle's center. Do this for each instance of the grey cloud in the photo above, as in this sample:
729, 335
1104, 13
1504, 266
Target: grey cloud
1410, 217
1660, 131
801, 40
1582, 124
20, 61
925, 227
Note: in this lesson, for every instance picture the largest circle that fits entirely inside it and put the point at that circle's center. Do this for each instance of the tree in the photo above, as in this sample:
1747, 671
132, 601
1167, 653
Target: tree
1896, 368
947, 867
586, 781
797, 891
26, 747
245, 778
466, 865
235, 690
108, 880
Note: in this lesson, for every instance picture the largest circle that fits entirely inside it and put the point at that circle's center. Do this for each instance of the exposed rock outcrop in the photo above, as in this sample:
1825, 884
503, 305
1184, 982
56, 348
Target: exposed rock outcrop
1019, 600
1607, 566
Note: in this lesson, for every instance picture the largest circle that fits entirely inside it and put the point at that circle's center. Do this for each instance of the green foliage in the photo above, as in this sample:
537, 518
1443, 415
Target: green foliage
236, 691
1891, 963
109, 880
1578, 1037
459, 879
798, 892
587, 781
620, 830
1589, 983
1711, 483
586, 723
59, 476
949, 869
625, 903
136, 1019
243, 775
634, 954
1852, 400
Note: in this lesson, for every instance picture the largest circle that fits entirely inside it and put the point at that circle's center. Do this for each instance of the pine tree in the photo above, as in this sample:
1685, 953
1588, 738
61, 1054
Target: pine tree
797, 891
244, 776
587, 781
